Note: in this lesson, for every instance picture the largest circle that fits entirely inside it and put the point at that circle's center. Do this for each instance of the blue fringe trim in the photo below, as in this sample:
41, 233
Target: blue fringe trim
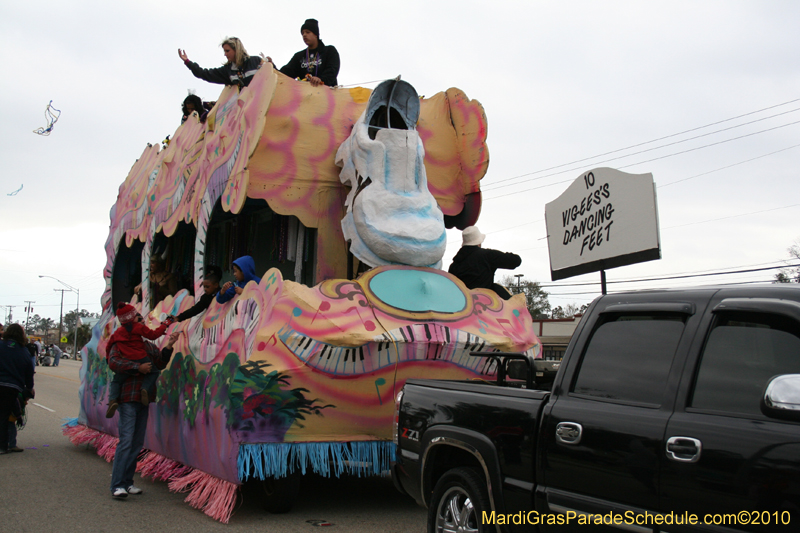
69, 422
367, 458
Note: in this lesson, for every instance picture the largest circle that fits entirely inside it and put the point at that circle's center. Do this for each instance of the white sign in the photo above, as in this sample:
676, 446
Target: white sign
605, 219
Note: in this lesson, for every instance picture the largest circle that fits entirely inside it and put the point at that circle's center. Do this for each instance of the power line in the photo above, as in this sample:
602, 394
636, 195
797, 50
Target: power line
733, 216
670, 277
729, 166
630, 165
597, 292
709, 220
782, 265
712, 144
649, 142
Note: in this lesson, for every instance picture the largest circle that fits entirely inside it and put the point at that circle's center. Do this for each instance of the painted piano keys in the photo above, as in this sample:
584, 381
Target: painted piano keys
417, 342
244, 314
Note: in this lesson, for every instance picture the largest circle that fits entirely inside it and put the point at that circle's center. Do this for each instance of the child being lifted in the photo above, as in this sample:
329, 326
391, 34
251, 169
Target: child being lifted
130, 343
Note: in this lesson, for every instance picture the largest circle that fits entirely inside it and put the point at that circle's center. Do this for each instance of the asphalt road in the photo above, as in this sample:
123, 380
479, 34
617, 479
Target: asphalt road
55, 486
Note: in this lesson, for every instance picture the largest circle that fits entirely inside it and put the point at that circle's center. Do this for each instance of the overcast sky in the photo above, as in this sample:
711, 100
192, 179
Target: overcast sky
561, 82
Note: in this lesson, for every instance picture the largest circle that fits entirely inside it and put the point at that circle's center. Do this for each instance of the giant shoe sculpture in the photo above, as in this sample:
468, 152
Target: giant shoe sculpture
392, 218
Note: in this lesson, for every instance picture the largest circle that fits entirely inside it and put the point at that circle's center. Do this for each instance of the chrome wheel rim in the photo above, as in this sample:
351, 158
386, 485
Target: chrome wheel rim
455, 513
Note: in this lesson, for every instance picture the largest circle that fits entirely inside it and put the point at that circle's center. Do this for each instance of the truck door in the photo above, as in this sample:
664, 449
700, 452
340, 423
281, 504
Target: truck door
603, 434
723, 460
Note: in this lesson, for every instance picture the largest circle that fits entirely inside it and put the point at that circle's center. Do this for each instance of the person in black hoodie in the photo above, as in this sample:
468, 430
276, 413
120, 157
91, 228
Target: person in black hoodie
475, 266
318, 63
238, 70
210, 289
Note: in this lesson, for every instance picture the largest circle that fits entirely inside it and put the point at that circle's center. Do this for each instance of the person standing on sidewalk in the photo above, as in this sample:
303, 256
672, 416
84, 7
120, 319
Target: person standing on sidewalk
34, 353
57, 353
132, 414
16, 380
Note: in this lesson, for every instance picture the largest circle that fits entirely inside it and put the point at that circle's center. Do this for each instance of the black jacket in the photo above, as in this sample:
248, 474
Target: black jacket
323, 63
196, 309
228, 74
475, 266
16, 369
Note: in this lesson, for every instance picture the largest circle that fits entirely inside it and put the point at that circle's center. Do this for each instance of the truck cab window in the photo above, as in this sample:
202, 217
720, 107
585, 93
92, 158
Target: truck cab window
742, 352
629, 357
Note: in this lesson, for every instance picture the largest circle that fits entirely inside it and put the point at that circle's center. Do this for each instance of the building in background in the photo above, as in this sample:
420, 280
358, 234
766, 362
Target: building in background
555, 334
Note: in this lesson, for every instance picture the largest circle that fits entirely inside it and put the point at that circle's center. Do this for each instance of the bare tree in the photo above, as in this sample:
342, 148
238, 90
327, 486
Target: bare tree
569, 310
790, 275
537, 302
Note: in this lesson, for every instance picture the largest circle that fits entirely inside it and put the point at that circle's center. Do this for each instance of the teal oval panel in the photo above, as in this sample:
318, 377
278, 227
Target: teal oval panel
418, 291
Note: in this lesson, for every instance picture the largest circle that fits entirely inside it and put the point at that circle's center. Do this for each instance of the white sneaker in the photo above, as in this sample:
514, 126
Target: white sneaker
120, 493
133, 489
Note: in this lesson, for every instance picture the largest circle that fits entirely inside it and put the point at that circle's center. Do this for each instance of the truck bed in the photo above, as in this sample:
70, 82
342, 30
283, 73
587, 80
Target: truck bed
494, 425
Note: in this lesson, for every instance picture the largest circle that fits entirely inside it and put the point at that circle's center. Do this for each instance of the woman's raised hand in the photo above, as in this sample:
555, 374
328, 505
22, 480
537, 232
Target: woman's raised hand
182, 55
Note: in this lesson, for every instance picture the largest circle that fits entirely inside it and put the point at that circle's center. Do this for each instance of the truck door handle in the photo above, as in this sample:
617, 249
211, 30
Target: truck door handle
684, 449
569, 432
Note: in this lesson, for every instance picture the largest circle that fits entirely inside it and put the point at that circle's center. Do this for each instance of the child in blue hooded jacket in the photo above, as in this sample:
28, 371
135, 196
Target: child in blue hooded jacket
244, 270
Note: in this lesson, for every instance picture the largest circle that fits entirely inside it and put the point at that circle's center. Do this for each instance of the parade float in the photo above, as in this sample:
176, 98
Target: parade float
341, 196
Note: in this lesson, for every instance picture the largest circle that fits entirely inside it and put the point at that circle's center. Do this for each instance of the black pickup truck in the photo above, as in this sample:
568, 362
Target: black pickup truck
672, 411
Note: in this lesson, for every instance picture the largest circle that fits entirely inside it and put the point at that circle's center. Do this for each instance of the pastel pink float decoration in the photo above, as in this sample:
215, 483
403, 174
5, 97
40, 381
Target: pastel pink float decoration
288, 375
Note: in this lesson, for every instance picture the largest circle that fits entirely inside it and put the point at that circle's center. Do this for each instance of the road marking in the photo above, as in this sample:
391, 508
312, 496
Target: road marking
59, 377
43, 407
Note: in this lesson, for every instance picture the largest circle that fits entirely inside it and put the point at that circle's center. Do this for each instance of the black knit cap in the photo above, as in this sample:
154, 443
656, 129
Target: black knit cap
311, 25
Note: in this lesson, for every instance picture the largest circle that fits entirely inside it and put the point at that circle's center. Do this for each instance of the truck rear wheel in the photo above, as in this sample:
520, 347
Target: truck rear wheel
281, 493
459, 499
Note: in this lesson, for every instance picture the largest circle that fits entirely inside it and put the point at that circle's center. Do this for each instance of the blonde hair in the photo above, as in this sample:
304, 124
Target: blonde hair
241, 54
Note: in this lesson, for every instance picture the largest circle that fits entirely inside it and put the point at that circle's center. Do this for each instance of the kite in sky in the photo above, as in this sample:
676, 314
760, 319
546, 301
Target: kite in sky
15, 192
51, 114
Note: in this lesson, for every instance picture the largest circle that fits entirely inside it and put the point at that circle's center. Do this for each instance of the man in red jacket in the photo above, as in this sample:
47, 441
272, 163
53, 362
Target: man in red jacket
133, 415
129, 341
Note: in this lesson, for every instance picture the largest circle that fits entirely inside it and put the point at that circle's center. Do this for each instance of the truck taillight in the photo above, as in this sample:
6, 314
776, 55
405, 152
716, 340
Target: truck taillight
396, 425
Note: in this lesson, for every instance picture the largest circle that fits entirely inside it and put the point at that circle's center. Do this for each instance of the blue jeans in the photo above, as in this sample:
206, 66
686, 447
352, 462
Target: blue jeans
58, 358
12, 434
132, 428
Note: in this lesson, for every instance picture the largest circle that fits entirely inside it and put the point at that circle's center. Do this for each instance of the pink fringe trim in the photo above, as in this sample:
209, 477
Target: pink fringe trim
161, 468
79, 435
212, 495
105, 444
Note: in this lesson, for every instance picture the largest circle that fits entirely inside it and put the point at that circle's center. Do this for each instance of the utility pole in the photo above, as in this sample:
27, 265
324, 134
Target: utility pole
519, 282
10, 315
77, 313
28, 309
61, 313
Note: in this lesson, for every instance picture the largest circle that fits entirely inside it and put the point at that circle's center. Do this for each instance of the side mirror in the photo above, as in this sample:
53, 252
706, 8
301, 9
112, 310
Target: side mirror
782, 398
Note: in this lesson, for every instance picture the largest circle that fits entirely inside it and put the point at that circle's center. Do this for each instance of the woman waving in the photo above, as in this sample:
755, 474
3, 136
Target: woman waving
238, 70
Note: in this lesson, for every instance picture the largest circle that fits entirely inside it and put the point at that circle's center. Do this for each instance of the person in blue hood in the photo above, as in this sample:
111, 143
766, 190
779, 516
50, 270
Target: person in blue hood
244, 270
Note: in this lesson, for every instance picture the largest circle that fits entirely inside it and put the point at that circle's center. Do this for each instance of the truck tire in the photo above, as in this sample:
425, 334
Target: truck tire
281, 493
459, 499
